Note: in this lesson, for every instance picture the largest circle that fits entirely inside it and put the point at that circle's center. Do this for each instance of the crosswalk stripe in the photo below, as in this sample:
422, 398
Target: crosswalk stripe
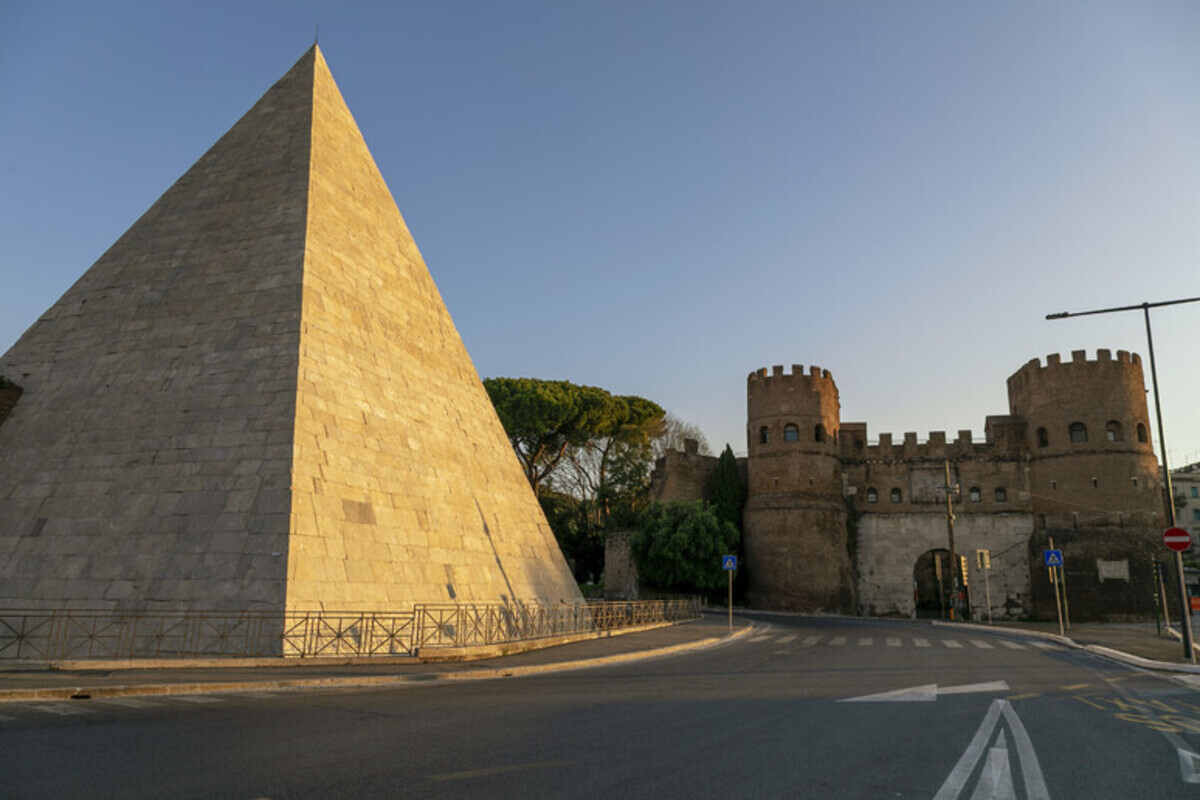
951, 643
865, 641
809, 641
1012, 645
981, 645
892, 641
196, 698
787, 639
921, 642
1045, 646
837, 641
6, 718
126, 702
59, 709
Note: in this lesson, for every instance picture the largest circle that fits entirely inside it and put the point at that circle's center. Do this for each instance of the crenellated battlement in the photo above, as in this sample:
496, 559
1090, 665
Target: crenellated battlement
937, 446
1034, 368
763, 377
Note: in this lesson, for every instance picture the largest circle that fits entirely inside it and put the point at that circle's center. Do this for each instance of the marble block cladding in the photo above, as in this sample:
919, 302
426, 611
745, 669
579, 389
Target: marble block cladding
256, 399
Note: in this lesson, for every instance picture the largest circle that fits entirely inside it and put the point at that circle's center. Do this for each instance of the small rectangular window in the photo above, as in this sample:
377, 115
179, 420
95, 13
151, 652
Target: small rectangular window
1195, 492
1001, 495
1196, 514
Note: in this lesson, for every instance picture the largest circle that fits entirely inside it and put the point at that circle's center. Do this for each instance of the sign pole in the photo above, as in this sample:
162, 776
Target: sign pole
987, 587
731, 601
1057, 600
1163, 593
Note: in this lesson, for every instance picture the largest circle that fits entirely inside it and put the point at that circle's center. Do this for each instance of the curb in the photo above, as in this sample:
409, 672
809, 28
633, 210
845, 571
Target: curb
87, 693
1096, 649
434, 655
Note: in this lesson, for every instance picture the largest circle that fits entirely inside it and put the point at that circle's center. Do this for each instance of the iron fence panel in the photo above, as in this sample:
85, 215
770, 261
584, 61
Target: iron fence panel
98, 634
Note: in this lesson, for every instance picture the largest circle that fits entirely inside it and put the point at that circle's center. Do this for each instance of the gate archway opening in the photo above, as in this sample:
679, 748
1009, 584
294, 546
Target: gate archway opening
932, 586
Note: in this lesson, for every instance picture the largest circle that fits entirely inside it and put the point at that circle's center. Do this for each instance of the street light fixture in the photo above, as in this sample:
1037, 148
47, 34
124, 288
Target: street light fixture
1168, 500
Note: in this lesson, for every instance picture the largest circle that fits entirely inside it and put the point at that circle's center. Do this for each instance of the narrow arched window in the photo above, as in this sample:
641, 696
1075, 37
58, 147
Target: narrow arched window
974, 494
1095, 483
1112, 431
1141, 433
819, 433
1001, 494
1078, 432
1043, 437
872, 495
791, 433
763, 435
896, 496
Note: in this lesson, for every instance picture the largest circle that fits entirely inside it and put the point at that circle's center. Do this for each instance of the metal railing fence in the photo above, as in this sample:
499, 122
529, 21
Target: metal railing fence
45, 635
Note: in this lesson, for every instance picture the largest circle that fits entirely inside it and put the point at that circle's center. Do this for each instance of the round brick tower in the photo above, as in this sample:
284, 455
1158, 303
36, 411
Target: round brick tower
795, 518
1088, 435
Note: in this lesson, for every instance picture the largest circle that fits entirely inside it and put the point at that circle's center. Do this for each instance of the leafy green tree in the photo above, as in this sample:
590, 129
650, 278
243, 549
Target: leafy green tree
544, 418
581, 542
725, 490
678, 547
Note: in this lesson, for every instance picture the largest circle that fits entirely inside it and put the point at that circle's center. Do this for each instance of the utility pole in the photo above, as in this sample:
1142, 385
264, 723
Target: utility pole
1168, 495
950, 536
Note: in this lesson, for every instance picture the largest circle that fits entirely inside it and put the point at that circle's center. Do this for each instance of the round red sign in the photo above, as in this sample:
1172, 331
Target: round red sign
1177, 539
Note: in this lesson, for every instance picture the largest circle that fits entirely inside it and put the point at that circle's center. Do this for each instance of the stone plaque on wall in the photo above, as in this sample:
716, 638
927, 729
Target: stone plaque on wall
1112, 570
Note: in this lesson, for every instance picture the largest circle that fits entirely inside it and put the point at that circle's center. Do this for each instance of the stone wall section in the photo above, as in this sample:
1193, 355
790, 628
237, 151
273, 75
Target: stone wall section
405, 488
889, 545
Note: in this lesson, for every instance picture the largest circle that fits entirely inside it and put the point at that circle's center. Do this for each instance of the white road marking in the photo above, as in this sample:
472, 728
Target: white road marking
981, 644
195, 698
1012, 645
837, 641
995, 782
5, 718
892, 641
809, 641
1045, 646
762, 638
1189, 762
787, 639
990, 686
951, 643
926, 693
991, 780
865, 641
60, 709
913, 694
921, 642
126, 702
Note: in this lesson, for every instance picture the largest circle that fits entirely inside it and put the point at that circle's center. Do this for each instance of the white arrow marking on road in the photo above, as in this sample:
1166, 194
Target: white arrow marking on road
926, 693
1189, 762
992, 777
995, 783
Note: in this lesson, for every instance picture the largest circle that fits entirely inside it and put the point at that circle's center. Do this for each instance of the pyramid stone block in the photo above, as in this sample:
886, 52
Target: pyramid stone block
256, 399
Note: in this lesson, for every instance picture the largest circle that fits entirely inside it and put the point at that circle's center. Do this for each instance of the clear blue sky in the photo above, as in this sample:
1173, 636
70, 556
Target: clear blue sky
658, 198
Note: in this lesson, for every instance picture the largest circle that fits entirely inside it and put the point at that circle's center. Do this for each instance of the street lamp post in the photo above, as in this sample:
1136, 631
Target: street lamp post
1168, 495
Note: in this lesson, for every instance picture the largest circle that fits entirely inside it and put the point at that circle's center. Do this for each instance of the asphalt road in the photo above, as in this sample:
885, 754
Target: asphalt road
765, 716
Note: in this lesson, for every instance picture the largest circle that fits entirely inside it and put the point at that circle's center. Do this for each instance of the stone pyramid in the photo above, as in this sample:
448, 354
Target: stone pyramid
256, 399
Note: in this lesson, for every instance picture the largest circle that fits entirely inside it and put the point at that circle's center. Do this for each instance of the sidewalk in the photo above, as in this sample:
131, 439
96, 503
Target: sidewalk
1136, 638
26, 684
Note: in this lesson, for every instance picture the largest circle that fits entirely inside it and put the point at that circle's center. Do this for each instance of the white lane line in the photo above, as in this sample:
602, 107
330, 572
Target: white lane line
837, 641
1045, 646
6, 718
809, 641
951, 643
195, 698
892, 641
788, 639
865, 641
1035, 784
958, 776
762, 638
921, 642
1012, 645
981, 644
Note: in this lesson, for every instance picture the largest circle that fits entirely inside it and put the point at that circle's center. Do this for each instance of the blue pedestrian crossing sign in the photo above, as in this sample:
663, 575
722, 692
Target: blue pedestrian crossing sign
729, 563
1053, 558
